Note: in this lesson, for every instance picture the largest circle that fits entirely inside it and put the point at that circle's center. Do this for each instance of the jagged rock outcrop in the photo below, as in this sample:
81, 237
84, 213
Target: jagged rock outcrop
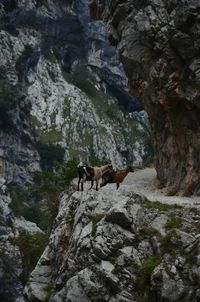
158, 44
117, 246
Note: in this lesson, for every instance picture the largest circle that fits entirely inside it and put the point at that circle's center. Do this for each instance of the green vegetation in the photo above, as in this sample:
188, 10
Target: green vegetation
149, 297
19, 198
95, 161
21, 207
35, 121
168, 245
144, 275
173, 191
50, 56
173, 222
50, 155
51, 184
110, 113
95, 220
35, 214
7, 103
59, 180
188, 193
22, 61
81, 79
48, 289
146, 233
159, 206
51, 136
31, 248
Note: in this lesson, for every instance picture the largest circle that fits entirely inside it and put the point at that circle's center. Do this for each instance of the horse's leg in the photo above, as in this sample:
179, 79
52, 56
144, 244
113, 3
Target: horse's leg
79, 180
83, 180
103, 183
97, 182
117, 186
92, 183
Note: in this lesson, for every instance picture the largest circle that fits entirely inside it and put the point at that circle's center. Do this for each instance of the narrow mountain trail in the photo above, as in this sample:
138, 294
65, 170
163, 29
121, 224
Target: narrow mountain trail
143, 182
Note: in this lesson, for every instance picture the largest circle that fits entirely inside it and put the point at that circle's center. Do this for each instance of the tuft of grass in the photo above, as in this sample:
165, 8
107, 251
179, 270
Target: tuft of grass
173, 222
144, 233
95, 220
48, 289
51, 136
173, 191
144, 275
160, 206
167, 243
35, 121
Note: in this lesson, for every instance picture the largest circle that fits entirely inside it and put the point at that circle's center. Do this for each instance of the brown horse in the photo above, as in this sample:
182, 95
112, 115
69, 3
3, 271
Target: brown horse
115, 176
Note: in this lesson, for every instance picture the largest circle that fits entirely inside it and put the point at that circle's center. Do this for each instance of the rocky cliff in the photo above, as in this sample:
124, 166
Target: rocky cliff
21, 244
63, 95
117, 246
61, 84
158, 43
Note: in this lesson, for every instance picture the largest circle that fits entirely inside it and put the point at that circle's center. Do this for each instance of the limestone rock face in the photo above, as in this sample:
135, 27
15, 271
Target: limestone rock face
104, 247
61, 88
62, 84
158, 44
12, 248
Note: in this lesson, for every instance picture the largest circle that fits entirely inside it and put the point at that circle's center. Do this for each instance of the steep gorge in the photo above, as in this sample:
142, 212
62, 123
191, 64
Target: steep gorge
158, 44
61, 84
63, 95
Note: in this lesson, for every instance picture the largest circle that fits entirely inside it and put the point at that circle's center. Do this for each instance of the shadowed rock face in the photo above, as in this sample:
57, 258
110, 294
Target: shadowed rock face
158, 44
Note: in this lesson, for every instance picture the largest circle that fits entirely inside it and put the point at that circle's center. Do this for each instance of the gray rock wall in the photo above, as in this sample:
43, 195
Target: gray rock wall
158, 43
61, 83
117, 246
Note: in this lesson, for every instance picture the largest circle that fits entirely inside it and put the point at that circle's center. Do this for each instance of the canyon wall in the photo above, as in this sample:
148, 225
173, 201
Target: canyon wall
158, 44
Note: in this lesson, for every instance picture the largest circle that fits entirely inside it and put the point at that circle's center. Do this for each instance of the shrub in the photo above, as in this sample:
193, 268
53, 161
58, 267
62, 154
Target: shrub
49, 55
51, 184
173, 191
96, 161
7, 103
31, 248
144, 276
168, 244
49, 155
48, 289
173, 222
20, 207
18, 199
95, 220
33, 213
145, 232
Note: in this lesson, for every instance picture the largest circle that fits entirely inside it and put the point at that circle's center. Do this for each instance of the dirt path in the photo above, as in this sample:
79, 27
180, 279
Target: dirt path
144, 182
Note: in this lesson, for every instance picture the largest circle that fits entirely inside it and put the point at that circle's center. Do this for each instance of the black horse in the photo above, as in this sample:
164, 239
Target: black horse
85, 173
